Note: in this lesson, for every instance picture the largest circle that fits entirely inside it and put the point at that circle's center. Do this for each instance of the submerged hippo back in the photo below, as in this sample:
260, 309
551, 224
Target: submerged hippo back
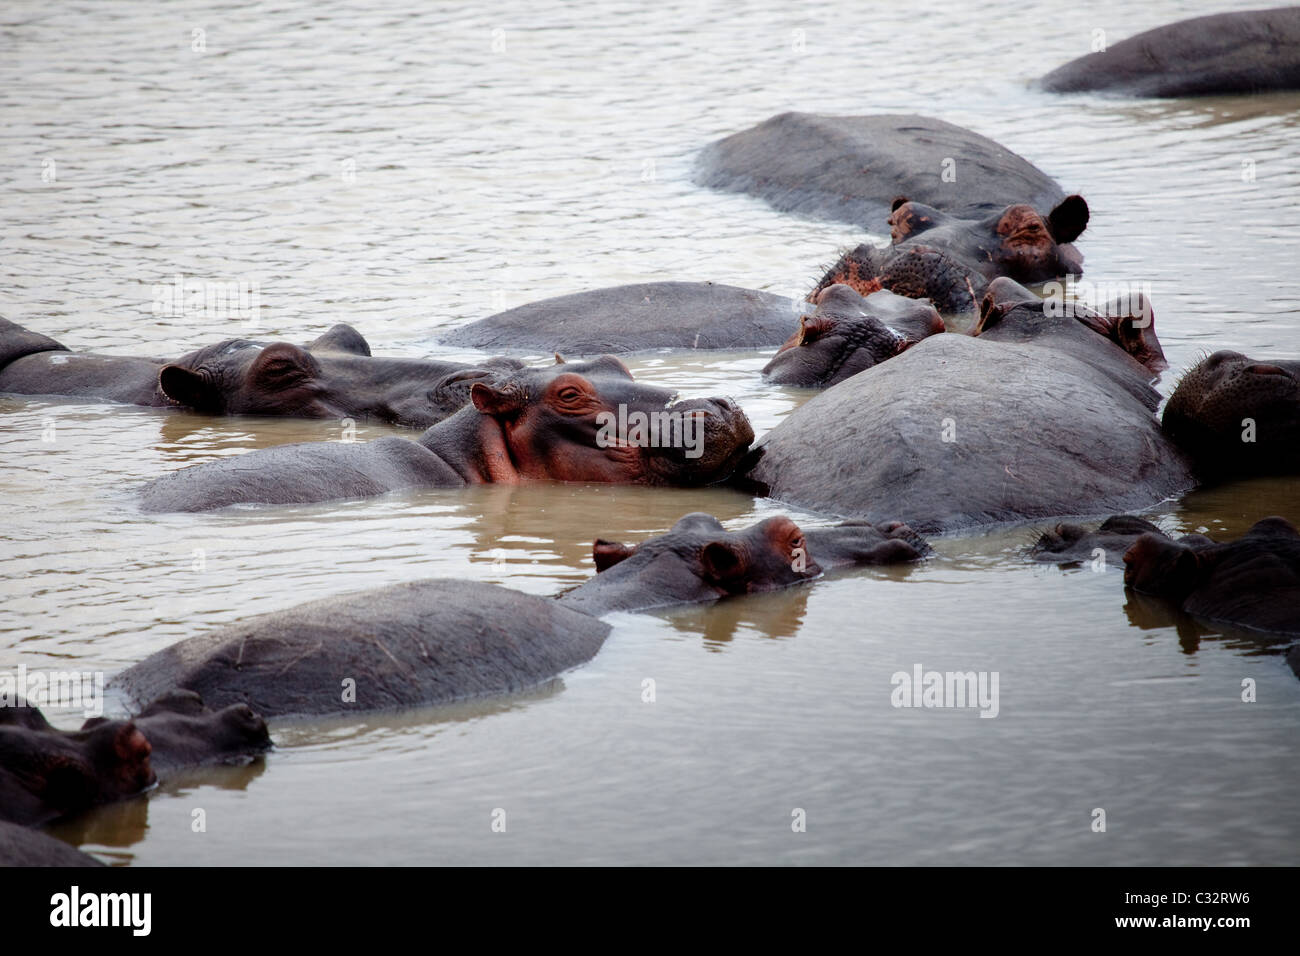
413, 644
958, 432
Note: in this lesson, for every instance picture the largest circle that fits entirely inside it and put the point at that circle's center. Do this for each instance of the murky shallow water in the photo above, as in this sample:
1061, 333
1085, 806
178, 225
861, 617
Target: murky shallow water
499, 159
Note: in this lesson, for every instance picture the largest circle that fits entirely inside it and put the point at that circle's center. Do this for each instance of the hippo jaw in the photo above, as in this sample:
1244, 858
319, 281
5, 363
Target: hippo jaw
1233, 414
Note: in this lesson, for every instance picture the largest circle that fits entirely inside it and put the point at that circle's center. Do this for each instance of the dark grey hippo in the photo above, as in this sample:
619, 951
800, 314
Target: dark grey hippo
1252, 582
333, 376
1249, 51
951, 260
432, 642
580, 421
1047, 411
1038, 416
848, 333
1068, 543
23, 846
636, 318
851, 168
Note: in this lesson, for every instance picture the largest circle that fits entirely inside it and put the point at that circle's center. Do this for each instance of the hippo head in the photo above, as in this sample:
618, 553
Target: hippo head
65, 773
1235, 415
698, 560
334, 376
849, 333
1010, 312
183, 731
1154, 564
590, 421
1016, 242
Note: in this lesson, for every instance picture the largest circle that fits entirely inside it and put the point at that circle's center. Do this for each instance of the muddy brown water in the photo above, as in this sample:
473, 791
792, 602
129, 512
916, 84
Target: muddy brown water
408, 167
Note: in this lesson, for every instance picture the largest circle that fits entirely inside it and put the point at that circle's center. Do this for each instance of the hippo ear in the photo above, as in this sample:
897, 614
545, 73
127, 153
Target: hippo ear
811, 328
341, 338
723, 566
491, 400
1068, 220
898, 201
606, 554
1135, 331
189, 388
559, 359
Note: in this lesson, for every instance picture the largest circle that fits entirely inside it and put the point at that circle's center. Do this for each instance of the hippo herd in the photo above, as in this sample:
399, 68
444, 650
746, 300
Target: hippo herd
951, 397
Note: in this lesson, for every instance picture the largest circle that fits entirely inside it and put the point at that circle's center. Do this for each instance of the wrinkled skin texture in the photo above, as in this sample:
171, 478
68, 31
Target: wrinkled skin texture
1244, 52
1208, 412
334, 376
1046, 417
22, 846
635, 318
850, 168
699, 561
432, 642
951, 261
847, 334
47, 773
1252, 582
533, 425
1072, 543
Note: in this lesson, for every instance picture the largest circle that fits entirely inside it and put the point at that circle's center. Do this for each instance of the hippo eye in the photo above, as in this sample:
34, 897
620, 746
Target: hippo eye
570, 394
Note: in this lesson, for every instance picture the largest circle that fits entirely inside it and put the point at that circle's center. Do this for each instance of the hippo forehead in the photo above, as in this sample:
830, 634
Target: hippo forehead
607, 374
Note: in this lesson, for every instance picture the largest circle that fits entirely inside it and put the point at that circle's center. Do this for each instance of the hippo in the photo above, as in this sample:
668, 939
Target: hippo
23, 846
849, 333
1249, 51
573, 421
1040, 414
951, 260
1252, 582
1047, 410
636, 318
1068, 543
438, 641
850, 168
46, 773
1237, 416
333, 376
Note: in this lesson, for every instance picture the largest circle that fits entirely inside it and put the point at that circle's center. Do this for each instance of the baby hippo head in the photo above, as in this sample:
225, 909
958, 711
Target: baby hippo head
848, 334
590, 421
1236, 415
699, 560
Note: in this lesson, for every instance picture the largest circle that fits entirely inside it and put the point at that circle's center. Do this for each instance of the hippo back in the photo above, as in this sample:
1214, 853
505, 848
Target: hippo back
407, 645
958, 432
635, 318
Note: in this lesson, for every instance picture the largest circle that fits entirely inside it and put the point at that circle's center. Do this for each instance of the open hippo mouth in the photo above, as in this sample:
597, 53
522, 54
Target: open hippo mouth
707, 438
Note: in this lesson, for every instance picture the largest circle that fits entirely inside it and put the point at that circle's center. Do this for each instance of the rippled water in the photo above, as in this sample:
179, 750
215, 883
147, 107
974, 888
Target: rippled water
408, 167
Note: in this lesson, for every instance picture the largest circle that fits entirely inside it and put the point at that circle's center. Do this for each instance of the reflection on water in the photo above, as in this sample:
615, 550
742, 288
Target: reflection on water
408, 168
